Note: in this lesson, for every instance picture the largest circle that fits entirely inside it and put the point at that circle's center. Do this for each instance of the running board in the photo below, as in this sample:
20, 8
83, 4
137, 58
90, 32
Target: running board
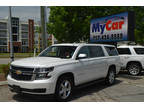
90, 83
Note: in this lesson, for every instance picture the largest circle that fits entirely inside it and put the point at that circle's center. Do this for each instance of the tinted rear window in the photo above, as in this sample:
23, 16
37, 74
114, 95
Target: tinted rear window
123, 51
96, 51
111, 51
139, 50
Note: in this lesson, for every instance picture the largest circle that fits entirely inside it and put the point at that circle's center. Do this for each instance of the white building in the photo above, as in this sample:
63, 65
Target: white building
20, 35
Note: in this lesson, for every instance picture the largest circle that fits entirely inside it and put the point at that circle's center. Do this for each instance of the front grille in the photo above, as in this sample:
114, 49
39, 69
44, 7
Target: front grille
21, 77
25, 73
22, 68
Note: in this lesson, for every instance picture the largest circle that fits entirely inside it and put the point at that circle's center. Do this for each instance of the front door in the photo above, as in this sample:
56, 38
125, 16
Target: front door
93, 66
82, 67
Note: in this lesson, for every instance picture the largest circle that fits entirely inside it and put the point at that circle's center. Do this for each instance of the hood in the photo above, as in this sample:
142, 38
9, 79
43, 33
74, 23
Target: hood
40, 62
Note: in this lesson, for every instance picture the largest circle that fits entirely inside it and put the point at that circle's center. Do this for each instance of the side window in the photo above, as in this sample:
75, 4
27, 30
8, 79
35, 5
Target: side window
84, 50
96, 51
111, 51
139, 50
124, 51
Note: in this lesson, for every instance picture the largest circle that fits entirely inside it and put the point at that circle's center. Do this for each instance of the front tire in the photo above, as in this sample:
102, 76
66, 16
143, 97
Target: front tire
64, 88
134, 69
110, 79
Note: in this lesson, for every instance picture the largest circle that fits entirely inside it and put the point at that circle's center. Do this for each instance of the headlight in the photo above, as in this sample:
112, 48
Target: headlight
42, 73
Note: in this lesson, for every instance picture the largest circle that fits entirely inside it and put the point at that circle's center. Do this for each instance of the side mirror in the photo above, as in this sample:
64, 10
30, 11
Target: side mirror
81, 56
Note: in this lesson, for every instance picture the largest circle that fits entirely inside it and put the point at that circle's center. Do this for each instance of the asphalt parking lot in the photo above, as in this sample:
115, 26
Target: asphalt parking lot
126, 89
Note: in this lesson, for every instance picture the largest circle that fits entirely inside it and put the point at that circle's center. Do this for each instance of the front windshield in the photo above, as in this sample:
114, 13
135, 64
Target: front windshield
59, 52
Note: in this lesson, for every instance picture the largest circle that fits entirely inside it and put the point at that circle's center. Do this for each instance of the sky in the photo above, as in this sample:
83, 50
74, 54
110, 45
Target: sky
23, 12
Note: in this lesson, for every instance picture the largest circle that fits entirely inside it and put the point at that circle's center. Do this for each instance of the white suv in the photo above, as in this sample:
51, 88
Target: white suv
61, 67
132, 58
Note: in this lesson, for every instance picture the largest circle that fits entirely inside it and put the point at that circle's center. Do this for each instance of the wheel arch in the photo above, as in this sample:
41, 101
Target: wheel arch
69, 74
133, 62
112, 66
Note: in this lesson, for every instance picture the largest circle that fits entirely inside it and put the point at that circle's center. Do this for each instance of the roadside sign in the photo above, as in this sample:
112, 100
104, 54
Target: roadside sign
114, 28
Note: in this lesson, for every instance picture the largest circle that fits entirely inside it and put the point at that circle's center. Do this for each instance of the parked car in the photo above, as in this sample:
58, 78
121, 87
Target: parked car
61, 67
132, 58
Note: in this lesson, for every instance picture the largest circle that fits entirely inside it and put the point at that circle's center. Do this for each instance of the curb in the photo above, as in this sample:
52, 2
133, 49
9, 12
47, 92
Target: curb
3, 83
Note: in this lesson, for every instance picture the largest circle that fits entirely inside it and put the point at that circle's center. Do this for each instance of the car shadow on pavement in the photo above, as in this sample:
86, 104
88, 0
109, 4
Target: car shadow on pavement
33, 98
127, 76
89, 90
79, 92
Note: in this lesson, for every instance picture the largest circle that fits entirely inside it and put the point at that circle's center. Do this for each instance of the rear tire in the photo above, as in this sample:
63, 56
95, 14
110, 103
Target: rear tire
110, 79
134, 69
64, 88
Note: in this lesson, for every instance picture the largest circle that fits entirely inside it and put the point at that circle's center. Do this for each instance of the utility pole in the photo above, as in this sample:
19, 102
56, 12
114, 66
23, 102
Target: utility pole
10, 36
43, 27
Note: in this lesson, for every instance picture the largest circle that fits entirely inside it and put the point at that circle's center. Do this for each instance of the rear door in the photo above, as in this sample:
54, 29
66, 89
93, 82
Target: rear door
98, 62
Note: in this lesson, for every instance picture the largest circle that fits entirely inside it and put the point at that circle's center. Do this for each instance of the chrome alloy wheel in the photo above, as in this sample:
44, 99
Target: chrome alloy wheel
134, 70
65, 89
111, 77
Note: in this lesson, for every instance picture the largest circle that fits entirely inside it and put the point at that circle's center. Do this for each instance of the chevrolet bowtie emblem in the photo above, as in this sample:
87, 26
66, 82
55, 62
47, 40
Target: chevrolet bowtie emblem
18, 72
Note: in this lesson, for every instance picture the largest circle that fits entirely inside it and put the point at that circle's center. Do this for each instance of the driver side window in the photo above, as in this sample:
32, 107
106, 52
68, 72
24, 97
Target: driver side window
84, 50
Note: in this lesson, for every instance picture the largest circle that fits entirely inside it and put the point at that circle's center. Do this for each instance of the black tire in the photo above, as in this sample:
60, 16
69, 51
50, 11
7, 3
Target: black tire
110, 79
60, 82
134, 69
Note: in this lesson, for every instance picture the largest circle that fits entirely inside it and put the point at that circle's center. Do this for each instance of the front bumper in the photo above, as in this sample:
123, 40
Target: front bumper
32, 87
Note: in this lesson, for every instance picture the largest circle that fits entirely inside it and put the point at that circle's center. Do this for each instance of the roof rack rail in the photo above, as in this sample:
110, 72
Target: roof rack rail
132, 43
